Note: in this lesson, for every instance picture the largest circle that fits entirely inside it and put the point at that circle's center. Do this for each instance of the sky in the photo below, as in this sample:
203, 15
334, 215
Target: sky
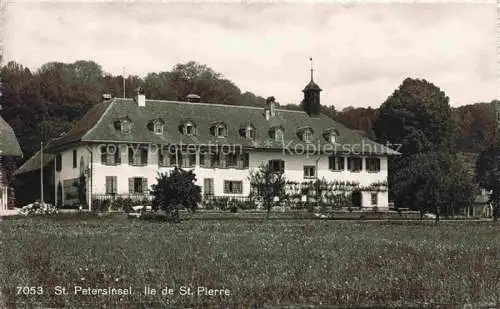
361, 52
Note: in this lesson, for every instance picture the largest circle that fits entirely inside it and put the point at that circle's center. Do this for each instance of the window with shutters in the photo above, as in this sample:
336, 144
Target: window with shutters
163, 158
231, 160
215, 160
138, 185
208, 187
138, 156
191, 160
233, 187
58, 162
110, 155
336, 163
111, 184
373, 165
309, 172
204, 162
75, 159
277, 166
355, 164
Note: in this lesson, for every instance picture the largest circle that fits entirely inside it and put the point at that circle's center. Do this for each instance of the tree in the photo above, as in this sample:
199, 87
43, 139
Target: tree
417, 116
476, 126
488, 175
267, 184
432, 181
175, 191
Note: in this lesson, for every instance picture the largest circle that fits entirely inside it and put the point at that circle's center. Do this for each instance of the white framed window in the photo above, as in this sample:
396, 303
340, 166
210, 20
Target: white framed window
309, 171
250, 132
307, 136
111, 184
278, 134
233, 187
126, 126
220, 131
333, 138
189, 129
158, 127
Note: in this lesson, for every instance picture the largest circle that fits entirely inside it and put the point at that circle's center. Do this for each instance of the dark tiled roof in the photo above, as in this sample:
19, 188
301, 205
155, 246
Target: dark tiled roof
81, 127
204, 115
312, 86
33, 163
9, 145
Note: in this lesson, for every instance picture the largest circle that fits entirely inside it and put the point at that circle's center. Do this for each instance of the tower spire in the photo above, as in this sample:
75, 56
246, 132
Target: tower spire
312, 70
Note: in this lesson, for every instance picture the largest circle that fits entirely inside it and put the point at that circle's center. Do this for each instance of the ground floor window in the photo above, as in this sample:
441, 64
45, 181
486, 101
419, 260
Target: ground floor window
374, 197
111, 184
277, 166
138, 185
309, 171
208, 186
235, 187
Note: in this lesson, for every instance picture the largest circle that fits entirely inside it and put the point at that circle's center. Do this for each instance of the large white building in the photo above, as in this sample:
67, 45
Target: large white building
121, 145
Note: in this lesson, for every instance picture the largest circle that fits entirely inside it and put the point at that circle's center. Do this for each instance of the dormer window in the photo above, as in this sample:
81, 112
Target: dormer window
247, 131
188, 128
124, 125
219, 130
331, 135
158, 127
277, 133
250, 132
306, 134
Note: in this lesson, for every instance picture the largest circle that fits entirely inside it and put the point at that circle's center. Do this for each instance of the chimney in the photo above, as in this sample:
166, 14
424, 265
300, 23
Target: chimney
272, 106
193, 98
106, 96
140, 97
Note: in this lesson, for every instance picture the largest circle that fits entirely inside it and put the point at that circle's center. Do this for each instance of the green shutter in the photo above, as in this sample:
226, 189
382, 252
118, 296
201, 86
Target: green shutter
144, 156
282, 166
226, 186
131, 185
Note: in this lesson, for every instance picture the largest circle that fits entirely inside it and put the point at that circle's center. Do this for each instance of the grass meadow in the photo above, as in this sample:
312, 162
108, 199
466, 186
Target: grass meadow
266, 263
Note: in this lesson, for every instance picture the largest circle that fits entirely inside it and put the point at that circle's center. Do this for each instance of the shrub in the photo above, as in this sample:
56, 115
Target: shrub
233, 207
101, 205
37, 208
176, 190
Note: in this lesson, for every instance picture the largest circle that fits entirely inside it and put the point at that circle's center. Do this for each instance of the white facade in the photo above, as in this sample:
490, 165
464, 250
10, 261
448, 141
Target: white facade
97, 172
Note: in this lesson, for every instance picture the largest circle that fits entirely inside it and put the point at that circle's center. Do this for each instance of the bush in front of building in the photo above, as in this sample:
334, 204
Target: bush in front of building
174, 191
38, 208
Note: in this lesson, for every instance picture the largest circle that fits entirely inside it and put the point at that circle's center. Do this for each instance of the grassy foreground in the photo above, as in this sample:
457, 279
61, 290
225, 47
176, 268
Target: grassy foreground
261, 263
